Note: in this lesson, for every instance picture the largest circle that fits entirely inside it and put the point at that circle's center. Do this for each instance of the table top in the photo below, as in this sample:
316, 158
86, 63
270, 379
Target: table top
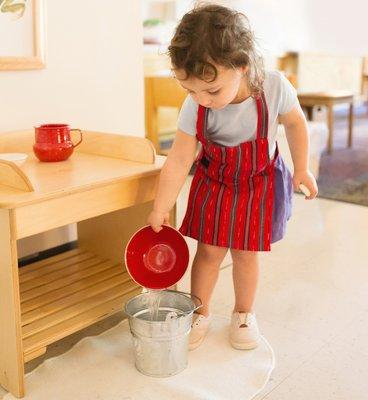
339, 94
82, 171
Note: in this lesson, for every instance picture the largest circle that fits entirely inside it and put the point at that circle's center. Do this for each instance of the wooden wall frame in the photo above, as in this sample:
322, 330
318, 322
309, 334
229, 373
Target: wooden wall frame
37, 61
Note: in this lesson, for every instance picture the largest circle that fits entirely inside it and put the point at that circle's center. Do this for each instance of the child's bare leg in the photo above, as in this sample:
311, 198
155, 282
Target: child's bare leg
205, 270
245, 278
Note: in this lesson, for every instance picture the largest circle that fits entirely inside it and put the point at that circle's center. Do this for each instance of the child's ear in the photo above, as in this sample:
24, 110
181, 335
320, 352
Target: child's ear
244, 69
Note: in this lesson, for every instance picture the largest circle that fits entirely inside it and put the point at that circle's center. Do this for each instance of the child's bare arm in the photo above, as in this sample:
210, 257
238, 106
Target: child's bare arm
173, 174
297, 136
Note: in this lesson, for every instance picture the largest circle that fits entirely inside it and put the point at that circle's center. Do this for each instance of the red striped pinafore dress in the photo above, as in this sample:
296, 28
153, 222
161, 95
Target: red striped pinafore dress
231, 197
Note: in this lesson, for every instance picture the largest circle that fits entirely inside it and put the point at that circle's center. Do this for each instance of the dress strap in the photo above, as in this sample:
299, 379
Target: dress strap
201, 123
262, 120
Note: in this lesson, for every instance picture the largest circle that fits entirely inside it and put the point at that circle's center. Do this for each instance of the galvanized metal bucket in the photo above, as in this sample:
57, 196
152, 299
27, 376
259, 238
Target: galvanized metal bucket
160, 339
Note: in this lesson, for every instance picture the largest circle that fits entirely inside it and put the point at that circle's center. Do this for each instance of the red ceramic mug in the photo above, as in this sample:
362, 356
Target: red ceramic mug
53, 142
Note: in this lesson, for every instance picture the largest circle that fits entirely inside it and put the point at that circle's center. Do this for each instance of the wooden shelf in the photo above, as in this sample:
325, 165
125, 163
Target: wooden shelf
66, 293
107, 187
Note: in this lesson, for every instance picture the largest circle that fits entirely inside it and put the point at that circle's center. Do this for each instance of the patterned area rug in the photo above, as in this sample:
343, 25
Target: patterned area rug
344, 173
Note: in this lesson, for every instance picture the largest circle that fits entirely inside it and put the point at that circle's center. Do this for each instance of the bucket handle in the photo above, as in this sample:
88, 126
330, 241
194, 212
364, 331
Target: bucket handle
188, 295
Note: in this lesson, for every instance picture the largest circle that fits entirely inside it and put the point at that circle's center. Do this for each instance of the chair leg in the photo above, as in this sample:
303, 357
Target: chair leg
351, 121
330, 128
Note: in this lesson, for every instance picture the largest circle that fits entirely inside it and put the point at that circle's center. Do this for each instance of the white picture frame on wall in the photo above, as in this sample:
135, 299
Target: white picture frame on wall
22, 33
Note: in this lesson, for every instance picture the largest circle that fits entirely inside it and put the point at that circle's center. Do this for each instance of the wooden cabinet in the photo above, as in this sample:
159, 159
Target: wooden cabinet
107, 187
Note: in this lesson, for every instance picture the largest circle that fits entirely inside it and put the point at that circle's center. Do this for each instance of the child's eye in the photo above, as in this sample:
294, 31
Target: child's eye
214, 92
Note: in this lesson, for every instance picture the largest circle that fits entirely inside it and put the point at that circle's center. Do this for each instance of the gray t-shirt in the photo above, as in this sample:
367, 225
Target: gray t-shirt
236, 123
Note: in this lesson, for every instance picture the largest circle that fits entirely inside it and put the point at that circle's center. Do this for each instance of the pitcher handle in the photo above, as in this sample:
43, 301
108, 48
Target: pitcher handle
81, 137
188, 295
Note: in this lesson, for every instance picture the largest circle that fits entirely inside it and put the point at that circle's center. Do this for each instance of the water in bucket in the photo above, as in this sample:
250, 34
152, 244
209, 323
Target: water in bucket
160, 322
153, 300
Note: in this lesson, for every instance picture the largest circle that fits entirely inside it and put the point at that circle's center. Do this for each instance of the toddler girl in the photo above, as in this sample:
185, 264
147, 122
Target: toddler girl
240, 196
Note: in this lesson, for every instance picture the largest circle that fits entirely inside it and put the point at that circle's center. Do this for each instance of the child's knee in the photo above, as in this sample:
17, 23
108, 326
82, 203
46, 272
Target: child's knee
211, 253
243, 256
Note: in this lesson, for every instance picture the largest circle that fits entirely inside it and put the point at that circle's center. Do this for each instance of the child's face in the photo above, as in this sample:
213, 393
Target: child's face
229, 86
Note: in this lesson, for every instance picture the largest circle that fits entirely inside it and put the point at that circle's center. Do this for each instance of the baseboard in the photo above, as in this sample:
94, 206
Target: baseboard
41, 255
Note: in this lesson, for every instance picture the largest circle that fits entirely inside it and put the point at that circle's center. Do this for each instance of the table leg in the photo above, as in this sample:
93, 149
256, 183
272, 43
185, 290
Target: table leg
309, 110
11, 348
330, 128
351, 120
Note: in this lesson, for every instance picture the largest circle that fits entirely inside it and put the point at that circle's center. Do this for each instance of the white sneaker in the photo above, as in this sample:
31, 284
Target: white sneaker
244, 332
199, 329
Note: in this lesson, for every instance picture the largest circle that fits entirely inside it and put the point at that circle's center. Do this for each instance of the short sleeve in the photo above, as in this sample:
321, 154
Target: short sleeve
187, 121
288, 95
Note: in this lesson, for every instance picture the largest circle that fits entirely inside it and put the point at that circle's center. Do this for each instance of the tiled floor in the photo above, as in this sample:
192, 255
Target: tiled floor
312, 304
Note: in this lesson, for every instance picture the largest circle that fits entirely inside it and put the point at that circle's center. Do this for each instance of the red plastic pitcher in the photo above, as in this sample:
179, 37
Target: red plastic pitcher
53, 142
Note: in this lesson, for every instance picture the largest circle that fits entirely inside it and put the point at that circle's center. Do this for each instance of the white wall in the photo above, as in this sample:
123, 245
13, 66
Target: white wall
278, 25
299, 25
325, 26
93, 80
338, 27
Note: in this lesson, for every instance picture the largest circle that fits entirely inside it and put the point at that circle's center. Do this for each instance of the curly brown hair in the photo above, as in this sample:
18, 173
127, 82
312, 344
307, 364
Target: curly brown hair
212, 34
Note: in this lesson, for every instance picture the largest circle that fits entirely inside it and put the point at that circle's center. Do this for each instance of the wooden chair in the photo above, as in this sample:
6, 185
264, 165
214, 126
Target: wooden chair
160, 91
288, 63
365, 80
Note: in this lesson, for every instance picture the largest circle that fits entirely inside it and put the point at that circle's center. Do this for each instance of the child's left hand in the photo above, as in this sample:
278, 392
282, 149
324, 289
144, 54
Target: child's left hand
307, 179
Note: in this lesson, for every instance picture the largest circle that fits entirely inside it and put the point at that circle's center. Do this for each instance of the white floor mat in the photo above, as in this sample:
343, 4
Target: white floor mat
102, 367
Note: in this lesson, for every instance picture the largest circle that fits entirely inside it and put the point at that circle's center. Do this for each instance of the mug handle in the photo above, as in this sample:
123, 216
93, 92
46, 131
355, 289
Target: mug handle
81, 137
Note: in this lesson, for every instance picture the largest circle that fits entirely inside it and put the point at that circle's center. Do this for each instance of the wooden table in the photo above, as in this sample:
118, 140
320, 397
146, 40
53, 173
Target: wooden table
329, 99
107, 188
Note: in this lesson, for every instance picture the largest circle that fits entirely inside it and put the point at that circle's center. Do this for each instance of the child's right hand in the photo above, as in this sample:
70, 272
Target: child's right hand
156, 219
